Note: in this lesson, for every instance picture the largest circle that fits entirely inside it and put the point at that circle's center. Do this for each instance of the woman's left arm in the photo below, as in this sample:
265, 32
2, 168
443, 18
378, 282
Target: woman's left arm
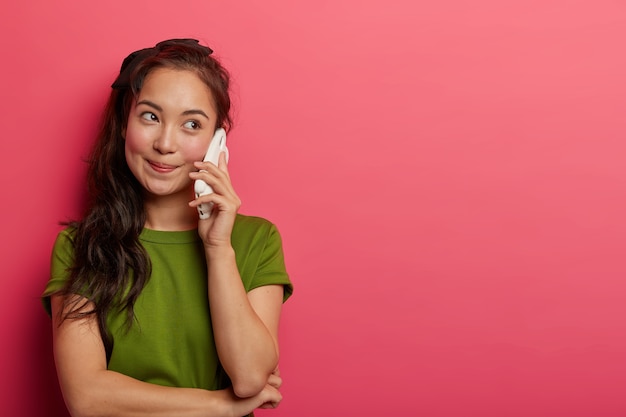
245, 325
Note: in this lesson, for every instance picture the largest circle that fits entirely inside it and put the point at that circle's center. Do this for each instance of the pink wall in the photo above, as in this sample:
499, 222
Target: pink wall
448, 177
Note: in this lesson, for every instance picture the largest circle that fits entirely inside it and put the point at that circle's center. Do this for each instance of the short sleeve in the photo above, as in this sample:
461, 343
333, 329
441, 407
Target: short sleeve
60, 262
271, 268
259, 251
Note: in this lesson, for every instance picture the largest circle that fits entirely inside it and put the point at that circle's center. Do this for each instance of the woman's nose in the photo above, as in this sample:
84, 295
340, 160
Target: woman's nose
166, 140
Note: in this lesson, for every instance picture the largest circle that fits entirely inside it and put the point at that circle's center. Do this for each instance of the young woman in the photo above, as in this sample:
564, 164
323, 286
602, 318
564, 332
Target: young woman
156, 312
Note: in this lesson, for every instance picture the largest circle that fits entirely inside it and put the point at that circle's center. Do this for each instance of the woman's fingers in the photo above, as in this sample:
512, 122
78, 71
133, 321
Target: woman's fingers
275, 381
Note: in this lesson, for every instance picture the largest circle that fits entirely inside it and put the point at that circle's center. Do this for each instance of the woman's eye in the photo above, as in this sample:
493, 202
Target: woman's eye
192, 124
149, 116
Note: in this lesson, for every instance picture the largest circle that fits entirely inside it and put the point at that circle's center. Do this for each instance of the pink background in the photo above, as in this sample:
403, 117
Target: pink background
448, 177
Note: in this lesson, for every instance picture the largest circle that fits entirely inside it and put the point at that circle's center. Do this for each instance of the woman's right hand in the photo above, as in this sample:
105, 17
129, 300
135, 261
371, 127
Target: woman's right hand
269, 397
275, 381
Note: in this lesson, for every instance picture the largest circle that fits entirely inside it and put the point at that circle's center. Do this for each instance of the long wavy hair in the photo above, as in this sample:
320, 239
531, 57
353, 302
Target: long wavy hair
110, 266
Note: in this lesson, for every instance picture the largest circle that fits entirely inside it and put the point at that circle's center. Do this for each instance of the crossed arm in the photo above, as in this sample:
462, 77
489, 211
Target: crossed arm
90, 389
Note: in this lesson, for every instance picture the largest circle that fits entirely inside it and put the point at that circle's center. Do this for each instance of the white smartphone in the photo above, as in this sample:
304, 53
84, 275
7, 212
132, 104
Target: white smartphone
217, 146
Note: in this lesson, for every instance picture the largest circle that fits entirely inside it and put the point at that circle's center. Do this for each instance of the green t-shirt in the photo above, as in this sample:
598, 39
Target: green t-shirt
171, 343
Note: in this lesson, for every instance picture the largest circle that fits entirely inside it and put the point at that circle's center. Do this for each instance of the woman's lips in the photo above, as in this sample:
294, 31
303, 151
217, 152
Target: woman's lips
162, 168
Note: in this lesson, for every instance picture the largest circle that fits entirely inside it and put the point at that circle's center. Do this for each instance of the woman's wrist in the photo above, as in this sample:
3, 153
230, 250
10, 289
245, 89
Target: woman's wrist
219, 250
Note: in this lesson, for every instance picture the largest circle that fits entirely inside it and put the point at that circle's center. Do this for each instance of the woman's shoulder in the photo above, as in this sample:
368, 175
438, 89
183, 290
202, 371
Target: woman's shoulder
250, 227
66, 238
63, 248
245, 220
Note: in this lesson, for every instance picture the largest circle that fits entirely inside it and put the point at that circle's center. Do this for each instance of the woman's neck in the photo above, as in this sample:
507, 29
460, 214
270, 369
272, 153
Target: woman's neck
170, 213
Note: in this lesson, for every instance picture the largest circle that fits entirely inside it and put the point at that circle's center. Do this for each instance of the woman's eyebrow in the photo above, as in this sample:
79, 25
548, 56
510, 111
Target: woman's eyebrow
151, 104
185, 113
195, 111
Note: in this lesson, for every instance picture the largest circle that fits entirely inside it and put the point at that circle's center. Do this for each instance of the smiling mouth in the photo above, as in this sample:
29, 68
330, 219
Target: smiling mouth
163, 168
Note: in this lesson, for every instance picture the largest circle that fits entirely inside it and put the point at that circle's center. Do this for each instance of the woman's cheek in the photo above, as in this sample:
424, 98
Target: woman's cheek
195, 153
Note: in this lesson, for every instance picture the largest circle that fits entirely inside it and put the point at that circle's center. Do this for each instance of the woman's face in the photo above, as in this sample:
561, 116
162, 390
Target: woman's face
170, 125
